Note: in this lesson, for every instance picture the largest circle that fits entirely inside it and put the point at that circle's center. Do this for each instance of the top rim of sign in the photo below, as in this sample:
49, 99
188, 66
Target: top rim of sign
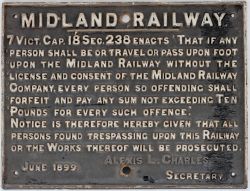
47, 3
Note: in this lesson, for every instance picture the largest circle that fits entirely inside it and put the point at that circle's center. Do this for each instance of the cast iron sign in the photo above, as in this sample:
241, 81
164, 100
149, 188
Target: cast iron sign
124, 95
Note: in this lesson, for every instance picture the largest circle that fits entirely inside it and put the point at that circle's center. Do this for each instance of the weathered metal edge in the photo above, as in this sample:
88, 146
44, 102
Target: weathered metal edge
125, 3
243, 3
154, 186
246, 93
2, 99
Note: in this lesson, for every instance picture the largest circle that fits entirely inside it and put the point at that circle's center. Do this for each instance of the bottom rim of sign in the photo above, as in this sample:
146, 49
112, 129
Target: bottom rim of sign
110, 186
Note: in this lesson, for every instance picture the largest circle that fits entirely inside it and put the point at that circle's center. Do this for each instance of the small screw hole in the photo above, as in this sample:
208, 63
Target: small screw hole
126, 170
16, 173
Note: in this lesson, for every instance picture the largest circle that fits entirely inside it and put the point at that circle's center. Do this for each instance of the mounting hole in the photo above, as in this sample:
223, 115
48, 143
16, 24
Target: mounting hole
233, 174
15, 16
126, 170
16, 173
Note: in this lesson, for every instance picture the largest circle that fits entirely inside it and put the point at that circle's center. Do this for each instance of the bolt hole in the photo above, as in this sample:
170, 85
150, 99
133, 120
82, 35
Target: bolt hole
126, 170
15, 16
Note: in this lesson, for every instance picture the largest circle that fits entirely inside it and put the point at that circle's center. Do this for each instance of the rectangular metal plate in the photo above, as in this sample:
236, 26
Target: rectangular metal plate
124, 95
